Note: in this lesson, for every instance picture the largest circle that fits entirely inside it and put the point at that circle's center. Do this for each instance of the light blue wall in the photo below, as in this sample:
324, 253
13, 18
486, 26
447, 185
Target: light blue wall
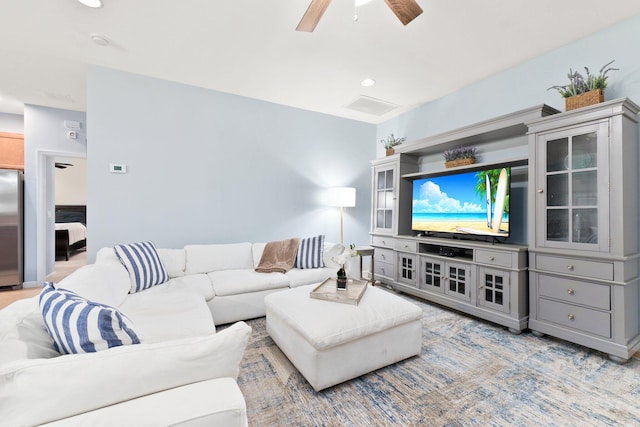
526, 85
13, 123
44, 136
209, 167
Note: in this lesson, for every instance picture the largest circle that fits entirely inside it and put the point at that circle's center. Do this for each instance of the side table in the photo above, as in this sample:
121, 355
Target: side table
367, 251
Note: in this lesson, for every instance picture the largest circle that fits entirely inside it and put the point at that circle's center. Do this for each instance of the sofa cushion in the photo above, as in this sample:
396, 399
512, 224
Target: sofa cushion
96, 380
310, 252
106, 283
77, 325
207, 258
232, 282
216, 402
174, 261
167, 312
198, 283
299, 277
143, 264
23, 334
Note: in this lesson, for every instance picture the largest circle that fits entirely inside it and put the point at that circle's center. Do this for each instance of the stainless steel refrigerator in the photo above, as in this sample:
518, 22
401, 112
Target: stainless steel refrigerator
11, 228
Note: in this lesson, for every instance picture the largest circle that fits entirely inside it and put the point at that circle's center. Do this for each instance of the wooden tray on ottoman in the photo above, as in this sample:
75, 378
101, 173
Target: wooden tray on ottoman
328, 291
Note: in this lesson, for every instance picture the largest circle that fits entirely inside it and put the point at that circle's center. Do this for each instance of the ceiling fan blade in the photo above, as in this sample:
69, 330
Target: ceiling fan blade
312, 15
405, 10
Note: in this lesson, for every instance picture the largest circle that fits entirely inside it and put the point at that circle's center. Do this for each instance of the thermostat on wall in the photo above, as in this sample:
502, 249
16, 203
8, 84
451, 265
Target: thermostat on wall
116, 168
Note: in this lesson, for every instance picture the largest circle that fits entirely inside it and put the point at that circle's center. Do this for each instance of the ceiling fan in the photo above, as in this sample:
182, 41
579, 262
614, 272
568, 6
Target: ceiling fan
405, 10
62, 165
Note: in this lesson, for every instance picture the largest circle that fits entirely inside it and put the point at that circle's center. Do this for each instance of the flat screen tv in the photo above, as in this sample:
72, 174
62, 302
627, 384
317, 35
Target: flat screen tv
463, 203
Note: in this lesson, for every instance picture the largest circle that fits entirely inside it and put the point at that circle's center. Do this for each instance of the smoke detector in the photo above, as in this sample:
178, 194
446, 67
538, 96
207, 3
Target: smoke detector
91, 3
99, 39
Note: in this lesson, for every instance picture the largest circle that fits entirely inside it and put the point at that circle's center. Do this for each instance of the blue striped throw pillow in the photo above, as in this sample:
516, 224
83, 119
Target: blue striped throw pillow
310, 252
143, 264
81, 326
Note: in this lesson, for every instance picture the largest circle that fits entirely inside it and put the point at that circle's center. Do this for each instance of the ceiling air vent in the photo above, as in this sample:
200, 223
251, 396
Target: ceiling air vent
376, 107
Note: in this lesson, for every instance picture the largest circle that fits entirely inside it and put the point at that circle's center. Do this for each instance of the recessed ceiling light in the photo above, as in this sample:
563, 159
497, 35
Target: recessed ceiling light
367, 82
99, 39
91, 3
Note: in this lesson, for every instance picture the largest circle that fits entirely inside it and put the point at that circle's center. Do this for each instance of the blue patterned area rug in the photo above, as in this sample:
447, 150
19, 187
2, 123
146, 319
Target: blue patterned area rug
470, 373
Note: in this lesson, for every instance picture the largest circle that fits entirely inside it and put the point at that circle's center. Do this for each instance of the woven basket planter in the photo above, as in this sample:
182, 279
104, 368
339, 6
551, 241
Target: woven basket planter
390, 151
459, 162
584, 99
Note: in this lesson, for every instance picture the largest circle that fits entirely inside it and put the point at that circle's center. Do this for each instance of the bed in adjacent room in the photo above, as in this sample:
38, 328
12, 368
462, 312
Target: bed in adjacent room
71, 229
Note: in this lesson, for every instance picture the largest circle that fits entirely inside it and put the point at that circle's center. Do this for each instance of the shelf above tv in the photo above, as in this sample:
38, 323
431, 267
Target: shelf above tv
523, 161
500, 128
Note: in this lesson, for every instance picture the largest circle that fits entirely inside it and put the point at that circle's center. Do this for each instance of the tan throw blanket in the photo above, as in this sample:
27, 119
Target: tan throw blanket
279, 256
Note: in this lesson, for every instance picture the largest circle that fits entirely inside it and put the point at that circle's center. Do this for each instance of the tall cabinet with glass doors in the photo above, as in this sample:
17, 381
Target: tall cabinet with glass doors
584, 228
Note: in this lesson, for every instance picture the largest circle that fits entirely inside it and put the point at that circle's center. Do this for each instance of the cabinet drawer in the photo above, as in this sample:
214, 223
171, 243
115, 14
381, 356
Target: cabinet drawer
579, 318
575, 291
493, 258
385, 242
579, 267
384, 255
385, 269
406, 245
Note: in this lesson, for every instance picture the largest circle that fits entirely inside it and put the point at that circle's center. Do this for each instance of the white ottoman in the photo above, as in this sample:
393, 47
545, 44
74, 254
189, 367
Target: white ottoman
330, 342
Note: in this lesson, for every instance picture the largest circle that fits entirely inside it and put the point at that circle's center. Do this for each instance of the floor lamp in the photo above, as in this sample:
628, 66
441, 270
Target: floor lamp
342, 197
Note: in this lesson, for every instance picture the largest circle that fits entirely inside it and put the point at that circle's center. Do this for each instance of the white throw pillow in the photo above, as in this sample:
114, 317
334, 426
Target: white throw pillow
77, 325
331, 252
143, 264
84, 382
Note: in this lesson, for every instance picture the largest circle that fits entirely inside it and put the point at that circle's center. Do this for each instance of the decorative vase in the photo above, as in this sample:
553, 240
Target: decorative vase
459, 162
341, 279
390, 151
585, 99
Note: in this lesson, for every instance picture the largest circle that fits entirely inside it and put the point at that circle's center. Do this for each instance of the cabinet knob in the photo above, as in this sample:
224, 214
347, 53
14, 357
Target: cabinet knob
540, 190
382, 269
492, 258
570, 267
384, 242
571, 317
570, 291
382, 256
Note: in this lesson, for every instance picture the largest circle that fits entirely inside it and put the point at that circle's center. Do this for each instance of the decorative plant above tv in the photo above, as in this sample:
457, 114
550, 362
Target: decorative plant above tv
459, 156
584, 90
391, 142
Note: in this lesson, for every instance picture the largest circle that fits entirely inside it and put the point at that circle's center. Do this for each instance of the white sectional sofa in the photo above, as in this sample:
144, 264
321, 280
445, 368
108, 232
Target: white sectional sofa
183, 370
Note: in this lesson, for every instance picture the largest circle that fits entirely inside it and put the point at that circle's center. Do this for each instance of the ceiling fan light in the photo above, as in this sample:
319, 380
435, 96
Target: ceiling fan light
91, 3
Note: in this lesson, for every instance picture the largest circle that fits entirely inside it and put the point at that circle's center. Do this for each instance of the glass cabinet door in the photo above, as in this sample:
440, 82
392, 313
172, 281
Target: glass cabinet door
385, 200
575, 188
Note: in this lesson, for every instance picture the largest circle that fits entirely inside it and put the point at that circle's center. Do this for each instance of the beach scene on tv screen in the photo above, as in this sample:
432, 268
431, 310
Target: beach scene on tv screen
471, 202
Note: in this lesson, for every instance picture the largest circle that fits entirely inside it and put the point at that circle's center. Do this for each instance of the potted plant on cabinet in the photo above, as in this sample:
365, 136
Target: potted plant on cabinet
584, 90
459, 156
391, 142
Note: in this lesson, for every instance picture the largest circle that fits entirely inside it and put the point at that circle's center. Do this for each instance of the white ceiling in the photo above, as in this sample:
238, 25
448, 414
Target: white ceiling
251, 48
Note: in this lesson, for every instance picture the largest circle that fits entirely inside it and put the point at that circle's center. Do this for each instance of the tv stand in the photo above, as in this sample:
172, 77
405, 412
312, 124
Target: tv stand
477, 278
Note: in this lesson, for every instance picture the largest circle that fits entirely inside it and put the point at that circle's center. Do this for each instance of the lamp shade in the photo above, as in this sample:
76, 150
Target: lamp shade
342, 197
